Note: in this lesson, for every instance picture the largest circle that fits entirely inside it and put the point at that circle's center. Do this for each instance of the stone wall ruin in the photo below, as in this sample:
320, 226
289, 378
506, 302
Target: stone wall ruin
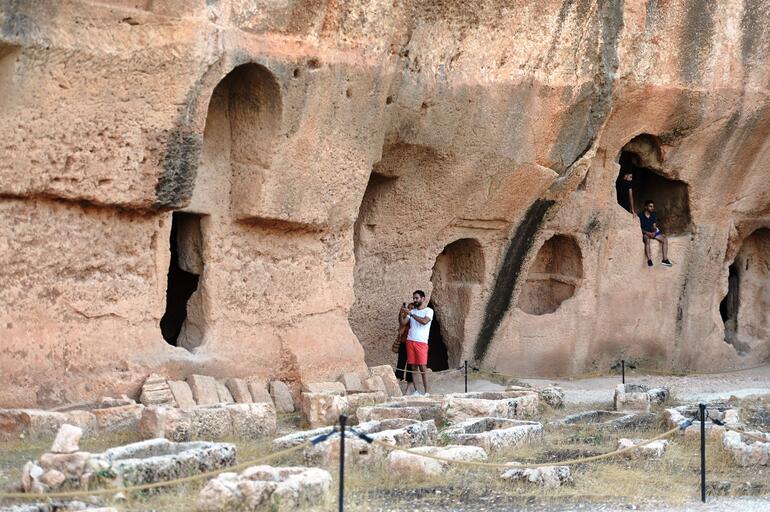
338, 157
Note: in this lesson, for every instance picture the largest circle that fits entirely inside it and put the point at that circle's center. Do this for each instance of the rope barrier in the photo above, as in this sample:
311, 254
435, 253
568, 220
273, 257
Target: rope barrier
491, 465
155, 485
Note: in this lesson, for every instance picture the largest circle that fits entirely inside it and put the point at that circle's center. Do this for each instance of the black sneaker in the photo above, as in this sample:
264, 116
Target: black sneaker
649, 263
665, 263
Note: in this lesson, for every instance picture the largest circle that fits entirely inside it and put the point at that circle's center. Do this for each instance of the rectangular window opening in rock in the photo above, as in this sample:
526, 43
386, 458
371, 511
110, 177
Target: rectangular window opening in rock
182, 323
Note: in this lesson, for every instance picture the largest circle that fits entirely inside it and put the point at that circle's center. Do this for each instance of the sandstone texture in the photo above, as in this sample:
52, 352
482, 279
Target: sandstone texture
278, 489
229, 188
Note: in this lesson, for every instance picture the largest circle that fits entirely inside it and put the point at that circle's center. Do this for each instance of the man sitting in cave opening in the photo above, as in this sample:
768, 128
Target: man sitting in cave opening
418, 319
625, 191
650, 232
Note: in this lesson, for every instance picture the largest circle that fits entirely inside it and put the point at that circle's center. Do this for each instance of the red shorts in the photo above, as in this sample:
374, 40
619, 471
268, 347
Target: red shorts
416, 352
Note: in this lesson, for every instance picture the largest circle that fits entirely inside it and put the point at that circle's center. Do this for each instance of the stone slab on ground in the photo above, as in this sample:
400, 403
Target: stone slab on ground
119, 419
328, 388
278, 489
156, 391
239, 388
281, 396
31, 424
67, 439
386, 373
494, 433
510, 404
410, 463
182, 393
631, 397
417, 408
204, 389
240, 421
748, 451
553, 396
367, 399
653, 450
548, 476
259, 393
352, 383
224, 394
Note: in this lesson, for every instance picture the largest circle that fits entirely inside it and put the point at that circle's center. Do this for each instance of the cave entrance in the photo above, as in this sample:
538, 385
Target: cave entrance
728, 308
642, 158
457, 277
438, 358
181, 322
553, 277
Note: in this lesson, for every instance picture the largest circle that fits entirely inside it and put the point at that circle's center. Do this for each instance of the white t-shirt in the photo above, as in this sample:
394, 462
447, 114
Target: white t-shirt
417, 331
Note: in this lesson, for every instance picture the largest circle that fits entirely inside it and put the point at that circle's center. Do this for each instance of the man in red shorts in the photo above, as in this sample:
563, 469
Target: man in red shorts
418, 319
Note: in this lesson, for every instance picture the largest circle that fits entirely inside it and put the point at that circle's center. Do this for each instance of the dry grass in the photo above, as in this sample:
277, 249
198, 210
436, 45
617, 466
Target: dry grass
673, 479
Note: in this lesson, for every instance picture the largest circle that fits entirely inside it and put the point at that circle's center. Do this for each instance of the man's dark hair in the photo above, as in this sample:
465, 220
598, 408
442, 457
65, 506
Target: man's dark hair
648, 201
420, 293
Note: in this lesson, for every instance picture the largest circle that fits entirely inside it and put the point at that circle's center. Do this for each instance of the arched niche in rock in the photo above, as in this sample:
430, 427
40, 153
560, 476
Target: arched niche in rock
553, 277
643, 158
745, 309
457, 278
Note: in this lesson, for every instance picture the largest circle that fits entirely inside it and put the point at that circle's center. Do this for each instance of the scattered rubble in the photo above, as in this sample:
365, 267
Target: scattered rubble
748, 451
267, 488
548, 476
553, 396
721, 412
493, 433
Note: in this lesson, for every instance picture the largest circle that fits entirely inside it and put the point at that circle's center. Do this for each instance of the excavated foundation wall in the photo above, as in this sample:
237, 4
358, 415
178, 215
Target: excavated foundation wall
335, 157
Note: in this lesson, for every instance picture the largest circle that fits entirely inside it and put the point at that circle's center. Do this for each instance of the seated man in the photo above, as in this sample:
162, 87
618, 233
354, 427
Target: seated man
650, 231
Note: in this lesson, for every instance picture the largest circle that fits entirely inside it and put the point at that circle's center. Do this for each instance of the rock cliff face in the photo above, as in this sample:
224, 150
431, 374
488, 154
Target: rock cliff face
253, 187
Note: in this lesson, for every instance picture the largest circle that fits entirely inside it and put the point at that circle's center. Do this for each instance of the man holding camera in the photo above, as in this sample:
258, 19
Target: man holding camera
418, 319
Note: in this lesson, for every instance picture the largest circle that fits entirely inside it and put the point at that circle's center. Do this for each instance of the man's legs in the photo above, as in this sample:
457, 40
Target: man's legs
647, 248
424, 373
663, 240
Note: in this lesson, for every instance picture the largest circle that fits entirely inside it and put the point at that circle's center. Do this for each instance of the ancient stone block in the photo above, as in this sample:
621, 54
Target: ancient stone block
408, 464
374, 383
259, 393
553, 396
364, 399
748, 451
67, 439
84, 420
352, 383
173, 424
182, 393
204, 389
211, 422
654, 450
505, 404
224, 394
239, 388
155, 391
281, 396
30, 424
119, 419
320, 409
385, 372
494, 433
417, 408
328, 388
253, 421
549, 476
280, 489
631, 397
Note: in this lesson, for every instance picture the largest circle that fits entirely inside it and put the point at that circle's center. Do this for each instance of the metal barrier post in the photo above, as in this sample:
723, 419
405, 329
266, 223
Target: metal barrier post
466, 376
702, 408
623, 371
341, 499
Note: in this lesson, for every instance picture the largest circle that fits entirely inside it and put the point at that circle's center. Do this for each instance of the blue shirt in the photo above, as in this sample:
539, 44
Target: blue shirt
648, 223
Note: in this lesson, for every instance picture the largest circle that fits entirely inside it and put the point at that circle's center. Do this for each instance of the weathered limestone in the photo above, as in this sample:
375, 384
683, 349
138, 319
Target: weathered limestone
297, 438
67, 439
399, 432
134, 464
319, 409
504, 404
548, 476
156, 391
241, 421
409, 464
267, 488
553, 396
416, 408
329, 388
653, 450
259, 393
239, 389
30, 424
637, 397
724, 414
224, 394
281, 395
610, 419
386, 373
374, 383
748, 451
182, 393
119, 419
204, 389
494, 433
352, 383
